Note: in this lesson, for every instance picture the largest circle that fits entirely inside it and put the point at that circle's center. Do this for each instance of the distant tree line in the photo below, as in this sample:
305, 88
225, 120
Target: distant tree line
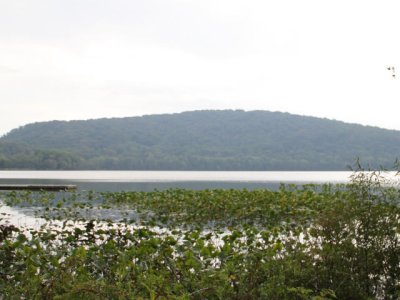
200, 140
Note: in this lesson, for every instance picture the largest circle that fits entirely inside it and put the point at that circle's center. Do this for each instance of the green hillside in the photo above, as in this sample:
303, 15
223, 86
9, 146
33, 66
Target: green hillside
199, 140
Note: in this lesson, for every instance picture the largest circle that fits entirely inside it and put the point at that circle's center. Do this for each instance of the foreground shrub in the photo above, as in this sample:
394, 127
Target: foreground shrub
312, 242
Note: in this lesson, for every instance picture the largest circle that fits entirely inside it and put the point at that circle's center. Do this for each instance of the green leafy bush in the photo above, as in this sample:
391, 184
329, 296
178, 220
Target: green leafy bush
310, 242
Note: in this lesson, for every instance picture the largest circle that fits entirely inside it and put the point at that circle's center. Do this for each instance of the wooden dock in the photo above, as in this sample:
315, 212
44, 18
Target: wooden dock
37, 187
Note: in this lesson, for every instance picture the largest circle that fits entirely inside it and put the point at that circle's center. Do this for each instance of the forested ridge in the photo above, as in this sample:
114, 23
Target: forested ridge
199, 140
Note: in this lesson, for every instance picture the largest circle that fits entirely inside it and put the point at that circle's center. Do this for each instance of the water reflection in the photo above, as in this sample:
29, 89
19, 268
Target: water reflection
161, 180
149, 186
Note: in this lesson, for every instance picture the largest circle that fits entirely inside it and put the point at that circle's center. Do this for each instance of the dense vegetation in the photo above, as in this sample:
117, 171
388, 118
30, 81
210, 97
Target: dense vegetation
200, 140
310, 242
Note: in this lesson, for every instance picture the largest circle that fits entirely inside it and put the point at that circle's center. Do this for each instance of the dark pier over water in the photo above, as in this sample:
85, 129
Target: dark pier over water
37, 187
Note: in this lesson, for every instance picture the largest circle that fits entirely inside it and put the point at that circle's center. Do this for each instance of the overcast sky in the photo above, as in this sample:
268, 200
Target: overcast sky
81, 59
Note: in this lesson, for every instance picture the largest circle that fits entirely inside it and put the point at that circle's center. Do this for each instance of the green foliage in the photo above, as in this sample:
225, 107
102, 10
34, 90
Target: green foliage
202, 140
310, 242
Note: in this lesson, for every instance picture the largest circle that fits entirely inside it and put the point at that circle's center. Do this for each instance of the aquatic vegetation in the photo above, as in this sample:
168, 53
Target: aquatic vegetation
308, 242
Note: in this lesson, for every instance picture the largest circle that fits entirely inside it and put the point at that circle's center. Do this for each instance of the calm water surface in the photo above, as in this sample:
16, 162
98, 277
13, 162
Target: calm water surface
150, 180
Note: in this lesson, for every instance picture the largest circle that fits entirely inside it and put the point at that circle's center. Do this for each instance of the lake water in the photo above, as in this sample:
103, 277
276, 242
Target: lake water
150, 180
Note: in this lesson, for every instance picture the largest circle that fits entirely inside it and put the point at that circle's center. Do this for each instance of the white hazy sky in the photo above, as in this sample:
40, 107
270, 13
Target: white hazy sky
81, 59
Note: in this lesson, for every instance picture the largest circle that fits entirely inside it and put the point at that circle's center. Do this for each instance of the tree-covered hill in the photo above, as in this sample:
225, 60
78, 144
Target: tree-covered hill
198, 140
